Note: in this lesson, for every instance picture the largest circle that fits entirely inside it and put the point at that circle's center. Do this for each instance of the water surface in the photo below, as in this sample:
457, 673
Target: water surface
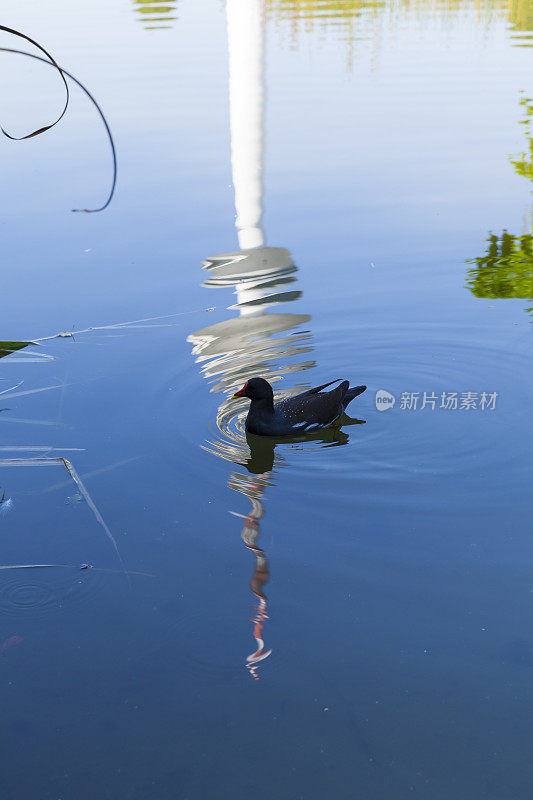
307, 190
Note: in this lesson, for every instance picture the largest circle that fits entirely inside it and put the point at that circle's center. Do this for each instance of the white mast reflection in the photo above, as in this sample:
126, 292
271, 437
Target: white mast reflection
246, 47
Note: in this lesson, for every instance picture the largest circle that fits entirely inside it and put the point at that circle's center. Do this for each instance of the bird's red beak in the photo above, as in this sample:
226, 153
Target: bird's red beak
241, 392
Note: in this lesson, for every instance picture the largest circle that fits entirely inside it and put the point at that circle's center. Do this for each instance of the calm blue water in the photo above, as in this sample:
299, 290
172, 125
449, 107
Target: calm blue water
347, 616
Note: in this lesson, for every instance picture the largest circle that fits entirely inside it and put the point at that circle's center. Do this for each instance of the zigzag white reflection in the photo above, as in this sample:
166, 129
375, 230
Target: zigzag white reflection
253, 488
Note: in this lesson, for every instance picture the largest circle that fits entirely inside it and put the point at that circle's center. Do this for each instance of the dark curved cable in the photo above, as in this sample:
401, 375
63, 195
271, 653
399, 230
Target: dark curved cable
53, 63
91, 98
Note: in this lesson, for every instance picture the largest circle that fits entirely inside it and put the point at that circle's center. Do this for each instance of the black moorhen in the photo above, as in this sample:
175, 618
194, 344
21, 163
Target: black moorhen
304, 412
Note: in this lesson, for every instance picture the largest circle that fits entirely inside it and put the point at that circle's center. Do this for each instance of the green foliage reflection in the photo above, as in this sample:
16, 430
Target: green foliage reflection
521, 18
505, 270
154, 14
523, 163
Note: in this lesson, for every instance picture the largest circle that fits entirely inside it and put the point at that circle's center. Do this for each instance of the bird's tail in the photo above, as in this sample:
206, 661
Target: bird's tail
352, 392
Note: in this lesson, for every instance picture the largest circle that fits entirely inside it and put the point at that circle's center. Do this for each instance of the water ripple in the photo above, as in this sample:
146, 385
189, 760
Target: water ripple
50, 590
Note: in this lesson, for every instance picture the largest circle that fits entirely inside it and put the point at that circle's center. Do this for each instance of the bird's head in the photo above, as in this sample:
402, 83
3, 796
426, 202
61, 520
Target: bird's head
256, 389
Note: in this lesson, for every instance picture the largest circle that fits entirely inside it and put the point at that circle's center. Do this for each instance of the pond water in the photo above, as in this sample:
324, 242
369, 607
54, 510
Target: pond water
347, 615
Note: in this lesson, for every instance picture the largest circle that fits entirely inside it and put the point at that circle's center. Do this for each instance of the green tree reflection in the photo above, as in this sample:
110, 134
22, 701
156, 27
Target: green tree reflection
155, 15
356, 22
322, 10
506, 269
523, 163
521, 19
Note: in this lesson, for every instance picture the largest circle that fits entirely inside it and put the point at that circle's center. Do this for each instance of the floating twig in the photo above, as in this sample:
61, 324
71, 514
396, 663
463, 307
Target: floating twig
119, 325
35, 391
76, 566
50, 462
27, 421
86, 475
79, 483
16, 386
39, 449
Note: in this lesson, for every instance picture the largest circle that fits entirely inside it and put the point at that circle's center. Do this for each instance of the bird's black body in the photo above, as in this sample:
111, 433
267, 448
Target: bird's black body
304, 412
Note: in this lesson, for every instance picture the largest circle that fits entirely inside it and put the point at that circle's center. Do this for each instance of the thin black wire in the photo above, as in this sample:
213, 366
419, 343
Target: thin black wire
91, 98
53, 63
